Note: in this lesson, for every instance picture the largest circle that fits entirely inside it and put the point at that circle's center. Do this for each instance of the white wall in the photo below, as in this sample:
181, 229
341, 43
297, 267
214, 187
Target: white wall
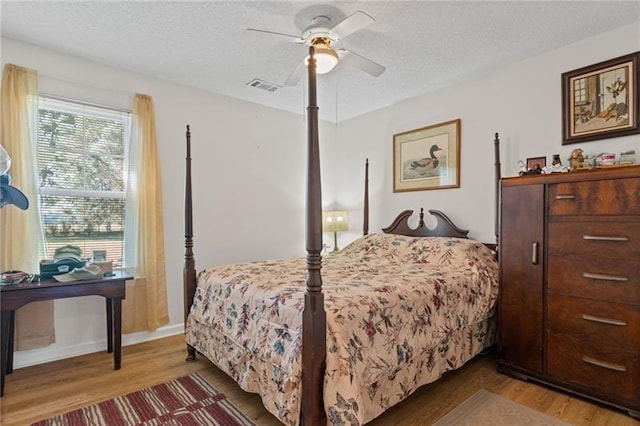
522, 102
249, 174
249, 161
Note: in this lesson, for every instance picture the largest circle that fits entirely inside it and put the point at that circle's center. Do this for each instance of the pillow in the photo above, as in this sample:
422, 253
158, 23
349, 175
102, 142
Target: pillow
421, 250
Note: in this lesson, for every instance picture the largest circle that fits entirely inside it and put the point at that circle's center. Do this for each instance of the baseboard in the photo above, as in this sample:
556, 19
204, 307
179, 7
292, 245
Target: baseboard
56, 352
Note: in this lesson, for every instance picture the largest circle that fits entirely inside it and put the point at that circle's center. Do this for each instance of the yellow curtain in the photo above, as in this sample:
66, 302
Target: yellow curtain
22, 240
145, 306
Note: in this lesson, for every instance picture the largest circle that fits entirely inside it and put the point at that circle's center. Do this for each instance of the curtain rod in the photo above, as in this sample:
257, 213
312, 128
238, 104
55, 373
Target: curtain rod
85, 103
88, 86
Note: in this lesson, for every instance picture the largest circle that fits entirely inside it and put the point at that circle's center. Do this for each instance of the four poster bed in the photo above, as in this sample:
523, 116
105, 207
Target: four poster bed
391, 312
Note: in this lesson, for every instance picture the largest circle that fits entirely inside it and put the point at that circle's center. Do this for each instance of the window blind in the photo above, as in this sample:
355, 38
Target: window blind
82, 165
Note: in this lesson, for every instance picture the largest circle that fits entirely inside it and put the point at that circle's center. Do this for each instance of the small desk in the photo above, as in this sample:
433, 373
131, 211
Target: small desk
14, 296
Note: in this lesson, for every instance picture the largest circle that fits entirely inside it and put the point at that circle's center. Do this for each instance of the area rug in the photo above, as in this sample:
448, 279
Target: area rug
484, 408
189, 400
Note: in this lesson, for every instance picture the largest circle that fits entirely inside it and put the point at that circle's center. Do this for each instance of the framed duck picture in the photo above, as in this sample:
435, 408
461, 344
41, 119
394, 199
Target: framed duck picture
427, 158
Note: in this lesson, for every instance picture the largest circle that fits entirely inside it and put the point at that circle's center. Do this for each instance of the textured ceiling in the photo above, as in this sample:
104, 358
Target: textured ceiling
424, 45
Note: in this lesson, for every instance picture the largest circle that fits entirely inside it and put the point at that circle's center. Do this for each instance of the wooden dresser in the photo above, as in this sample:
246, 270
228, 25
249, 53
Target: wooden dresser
569, 313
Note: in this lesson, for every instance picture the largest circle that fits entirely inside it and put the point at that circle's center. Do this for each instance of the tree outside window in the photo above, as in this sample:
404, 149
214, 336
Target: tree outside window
82, 164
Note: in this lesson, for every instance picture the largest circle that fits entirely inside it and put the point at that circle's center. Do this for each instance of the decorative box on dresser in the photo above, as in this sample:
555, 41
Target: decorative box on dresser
569, 312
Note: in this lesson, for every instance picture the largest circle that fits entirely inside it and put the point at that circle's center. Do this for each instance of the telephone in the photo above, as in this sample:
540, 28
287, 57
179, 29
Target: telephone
62, 265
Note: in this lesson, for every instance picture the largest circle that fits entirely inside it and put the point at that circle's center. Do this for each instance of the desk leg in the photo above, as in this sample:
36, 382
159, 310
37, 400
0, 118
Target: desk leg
109, 325
117, 332
12, 331
5, 322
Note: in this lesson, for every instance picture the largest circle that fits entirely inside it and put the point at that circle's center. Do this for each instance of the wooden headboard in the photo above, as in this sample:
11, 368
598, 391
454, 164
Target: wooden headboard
444, 226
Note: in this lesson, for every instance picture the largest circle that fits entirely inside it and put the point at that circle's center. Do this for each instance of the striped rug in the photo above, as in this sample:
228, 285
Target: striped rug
189, 400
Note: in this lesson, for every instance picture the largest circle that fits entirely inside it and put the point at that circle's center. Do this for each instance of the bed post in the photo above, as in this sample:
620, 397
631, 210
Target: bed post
313, 319
189, 271
365, 223
496, 153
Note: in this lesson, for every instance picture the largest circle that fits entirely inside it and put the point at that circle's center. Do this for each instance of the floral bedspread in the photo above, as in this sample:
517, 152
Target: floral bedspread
400, 312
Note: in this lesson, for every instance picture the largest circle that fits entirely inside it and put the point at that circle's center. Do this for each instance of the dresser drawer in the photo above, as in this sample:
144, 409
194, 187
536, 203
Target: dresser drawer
599, 322
602, 367
595, 239
601, 278
603, 197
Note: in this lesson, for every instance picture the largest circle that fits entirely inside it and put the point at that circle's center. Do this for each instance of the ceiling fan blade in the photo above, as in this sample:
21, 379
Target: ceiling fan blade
291, 38
350, 24
360, 62
296, 75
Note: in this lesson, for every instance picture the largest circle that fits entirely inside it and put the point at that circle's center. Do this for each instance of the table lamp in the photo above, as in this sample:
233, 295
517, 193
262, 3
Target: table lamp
335, 221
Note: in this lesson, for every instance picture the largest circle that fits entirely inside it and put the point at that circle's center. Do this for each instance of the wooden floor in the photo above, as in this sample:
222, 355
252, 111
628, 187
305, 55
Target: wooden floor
41, 391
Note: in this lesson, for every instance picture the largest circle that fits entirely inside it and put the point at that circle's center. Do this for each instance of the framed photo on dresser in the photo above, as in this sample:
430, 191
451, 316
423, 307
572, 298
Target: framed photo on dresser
535, 163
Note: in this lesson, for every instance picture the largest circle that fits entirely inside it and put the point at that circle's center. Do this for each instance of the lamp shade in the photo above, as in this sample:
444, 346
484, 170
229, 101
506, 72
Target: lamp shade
326, 57
335, 221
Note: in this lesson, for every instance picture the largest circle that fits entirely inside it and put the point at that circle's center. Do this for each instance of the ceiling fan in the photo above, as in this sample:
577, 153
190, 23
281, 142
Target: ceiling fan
321, 34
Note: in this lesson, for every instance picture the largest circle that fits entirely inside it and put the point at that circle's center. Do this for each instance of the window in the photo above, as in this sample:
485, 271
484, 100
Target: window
82, 167
580, 91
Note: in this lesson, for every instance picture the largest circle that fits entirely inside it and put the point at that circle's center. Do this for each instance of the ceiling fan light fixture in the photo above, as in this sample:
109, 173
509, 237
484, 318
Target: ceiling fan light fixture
326, 57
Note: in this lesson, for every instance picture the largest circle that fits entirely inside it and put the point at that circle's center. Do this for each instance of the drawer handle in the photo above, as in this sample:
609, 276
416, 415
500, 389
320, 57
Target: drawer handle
599, 238
608, 365
603, 320
565, 197
604, 277
534, 253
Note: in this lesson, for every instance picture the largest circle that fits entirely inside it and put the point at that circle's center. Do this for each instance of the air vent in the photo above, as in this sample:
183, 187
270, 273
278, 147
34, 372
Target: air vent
263, 85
